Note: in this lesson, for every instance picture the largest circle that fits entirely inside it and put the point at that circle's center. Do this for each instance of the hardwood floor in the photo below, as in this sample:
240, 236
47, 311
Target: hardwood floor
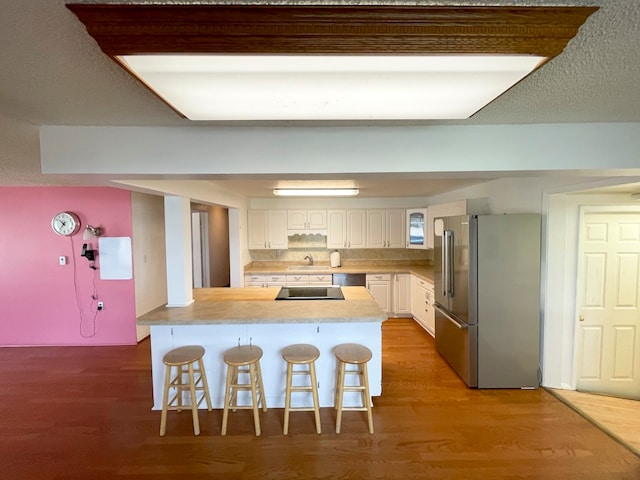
620, 417
84, 413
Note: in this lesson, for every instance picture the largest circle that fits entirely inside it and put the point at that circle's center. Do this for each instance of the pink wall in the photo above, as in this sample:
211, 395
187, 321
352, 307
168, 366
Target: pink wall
44, 303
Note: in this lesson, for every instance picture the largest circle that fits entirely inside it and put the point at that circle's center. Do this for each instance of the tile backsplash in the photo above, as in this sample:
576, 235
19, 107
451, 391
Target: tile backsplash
321, 255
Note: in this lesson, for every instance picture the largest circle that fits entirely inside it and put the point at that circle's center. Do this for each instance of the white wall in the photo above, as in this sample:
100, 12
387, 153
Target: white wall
147, 212
561, 271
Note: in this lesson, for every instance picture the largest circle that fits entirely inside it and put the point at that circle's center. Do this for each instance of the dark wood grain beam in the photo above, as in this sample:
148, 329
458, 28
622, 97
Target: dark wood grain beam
341, 30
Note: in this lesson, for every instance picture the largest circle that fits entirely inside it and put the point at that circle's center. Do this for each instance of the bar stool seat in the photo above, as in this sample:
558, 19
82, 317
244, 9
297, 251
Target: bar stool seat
301, 354
358, 355
243, 360
183, 360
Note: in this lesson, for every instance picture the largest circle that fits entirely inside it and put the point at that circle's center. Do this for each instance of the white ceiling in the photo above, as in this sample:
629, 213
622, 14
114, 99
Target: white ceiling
53, 73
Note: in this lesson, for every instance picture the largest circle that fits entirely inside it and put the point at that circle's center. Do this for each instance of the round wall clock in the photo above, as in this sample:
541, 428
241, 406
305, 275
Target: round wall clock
65, 223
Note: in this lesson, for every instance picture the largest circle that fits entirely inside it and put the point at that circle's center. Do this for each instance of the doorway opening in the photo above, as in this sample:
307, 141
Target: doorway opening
210, 246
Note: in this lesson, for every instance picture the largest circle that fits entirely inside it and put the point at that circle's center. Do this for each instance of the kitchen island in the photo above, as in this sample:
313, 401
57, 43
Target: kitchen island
220, 318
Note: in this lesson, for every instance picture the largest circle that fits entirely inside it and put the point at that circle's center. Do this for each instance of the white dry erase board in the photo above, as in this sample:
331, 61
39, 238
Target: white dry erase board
115, 258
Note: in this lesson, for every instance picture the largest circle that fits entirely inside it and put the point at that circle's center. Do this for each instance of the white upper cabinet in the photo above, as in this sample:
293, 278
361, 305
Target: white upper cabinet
267, 229
418, 231
307, 219
336, 228
346, 228
385, 228
356, 228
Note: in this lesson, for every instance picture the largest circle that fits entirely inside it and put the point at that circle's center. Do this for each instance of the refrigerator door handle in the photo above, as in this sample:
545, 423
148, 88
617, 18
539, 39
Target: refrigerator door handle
451, 319
445, 263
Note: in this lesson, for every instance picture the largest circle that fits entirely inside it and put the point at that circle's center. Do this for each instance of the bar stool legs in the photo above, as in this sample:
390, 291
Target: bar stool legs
358, 355
301, 354
243, 360
184, 359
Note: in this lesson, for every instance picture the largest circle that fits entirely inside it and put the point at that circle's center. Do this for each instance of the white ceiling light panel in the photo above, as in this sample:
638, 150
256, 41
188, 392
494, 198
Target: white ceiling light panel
205, 87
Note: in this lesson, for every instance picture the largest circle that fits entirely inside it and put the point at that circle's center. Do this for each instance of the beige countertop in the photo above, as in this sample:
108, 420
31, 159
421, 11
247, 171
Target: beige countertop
423, 271
219, 306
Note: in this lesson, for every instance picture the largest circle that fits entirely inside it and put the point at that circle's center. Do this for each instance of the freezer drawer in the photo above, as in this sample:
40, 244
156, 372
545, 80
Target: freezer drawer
458, 344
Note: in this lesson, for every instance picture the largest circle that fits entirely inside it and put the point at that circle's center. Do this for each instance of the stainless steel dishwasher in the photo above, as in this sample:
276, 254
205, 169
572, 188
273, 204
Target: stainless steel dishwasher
350, 279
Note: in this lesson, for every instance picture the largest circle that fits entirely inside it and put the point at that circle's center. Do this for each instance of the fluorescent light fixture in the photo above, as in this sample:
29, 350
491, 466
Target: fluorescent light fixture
315, 192
318, 87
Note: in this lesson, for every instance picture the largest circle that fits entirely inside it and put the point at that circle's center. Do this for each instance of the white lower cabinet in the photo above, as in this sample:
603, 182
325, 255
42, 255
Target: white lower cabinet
402, 295
379, 286
422, 298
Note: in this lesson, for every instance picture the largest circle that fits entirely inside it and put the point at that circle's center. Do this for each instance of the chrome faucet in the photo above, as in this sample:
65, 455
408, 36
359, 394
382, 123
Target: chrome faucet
310, 258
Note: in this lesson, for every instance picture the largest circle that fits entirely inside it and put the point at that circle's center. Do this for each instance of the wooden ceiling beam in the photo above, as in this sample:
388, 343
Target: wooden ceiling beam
330, 30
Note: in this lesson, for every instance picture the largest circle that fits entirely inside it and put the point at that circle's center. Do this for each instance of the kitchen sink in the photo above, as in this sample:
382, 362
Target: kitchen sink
308, 267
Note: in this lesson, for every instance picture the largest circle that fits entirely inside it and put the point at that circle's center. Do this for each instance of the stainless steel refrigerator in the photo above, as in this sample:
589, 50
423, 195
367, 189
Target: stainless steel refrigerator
487, 292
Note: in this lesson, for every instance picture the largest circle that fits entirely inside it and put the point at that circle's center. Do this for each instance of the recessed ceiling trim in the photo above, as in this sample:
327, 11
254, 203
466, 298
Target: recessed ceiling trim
364, 30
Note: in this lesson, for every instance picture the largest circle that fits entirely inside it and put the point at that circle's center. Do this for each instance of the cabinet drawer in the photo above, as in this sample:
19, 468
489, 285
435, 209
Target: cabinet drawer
424, 283
275, 278
250, 278
320, 279
378, 277
297, 279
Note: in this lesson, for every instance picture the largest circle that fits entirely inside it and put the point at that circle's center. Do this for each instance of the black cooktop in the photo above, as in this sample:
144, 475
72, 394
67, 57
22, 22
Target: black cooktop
310, 293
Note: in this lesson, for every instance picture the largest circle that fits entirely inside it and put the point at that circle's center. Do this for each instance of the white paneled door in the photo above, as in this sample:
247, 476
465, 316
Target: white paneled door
608, 323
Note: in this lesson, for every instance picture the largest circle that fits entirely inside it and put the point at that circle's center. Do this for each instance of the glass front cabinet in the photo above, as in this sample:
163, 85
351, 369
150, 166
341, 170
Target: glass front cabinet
417, 228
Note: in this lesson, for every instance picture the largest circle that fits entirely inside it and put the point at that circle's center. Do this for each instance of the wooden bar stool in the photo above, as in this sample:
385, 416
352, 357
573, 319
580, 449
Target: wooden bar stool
184, 359
243, 360
358, 355
301, 354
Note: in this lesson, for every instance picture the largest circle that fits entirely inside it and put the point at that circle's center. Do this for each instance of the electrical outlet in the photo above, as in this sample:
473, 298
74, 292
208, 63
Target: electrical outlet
62, 260
100, 305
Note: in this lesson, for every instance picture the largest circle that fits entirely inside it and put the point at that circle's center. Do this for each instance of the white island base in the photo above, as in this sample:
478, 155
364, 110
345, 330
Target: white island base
272, 338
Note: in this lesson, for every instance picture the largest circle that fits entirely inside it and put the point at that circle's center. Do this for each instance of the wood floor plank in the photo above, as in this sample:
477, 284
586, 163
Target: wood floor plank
80, 413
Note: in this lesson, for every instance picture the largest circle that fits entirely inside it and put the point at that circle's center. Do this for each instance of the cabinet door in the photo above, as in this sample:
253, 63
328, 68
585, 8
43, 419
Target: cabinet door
417, 231
395, 228
379, 287
296, 219
336, 229
356, 228
277, 229
257, 229
376, 228
316, 219
402, 294
422, 299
